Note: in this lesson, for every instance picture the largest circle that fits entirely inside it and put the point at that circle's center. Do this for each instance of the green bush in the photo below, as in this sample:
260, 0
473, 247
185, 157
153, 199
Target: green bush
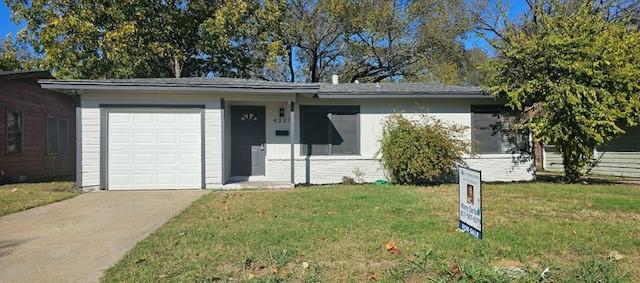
420, 152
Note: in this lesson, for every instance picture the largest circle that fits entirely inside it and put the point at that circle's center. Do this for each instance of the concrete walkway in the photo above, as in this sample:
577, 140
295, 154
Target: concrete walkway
76, 239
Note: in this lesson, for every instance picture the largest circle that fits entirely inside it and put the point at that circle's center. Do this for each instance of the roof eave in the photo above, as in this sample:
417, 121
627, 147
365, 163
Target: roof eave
451, 95
223, 88
26, 75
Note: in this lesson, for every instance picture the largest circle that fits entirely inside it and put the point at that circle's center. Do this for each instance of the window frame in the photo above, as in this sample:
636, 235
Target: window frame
491, 109
330, 109
58, 119
6, 131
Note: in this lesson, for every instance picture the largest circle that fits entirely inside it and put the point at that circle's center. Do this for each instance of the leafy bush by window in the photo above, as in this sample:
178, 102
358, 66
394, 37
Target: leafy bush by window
420, 152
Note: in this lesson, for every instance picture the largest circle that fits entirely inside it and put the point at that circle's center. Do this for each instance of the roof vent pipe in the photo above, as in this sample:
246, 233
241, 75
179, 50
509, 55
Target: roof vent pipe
335, 79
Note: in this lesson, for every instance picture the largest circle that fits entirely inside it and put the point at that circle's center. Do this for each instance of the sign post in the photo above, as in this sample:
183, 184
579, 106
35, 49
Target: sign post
470, 204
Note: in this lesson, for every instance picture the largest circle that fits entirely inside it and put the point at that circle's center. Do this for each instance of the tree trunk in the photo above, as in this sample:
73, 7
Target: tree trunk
576, 161
313, 66
177, 67
292, 72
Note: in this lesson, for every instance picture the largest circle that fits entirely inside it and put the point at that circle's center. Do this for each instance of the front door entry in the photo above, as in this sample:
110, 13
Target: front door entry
247, 140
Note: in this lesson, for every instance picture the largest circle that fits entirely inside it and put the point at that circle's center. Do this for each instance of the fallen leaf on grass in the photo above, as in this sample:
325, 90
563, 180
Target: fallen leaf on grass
455, 271
392, 248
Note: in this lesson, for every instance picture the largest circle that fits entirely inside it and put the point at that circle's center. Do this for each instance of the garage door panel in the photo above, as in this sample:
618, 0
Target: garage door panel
119, 118
167, 159
154, 150
142, 118
119, 180
167, 138
168, 118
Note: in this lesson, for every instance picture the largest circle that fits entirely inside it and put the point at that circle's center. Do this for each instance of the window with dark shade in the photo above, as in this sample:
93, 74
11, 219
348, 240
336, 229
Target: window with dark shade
492, 133
57, 135
330, 130
14, 132
627, 142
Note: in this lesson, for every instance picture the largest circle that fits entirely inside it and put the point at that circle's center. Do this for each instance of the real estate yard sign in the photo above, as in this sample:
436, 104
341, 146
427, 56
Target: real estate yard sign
470, 201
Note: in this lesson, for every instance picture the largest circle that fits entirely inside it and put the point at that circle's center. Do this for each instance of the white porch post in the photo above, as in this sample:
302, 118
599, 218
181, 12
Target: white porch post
292, 137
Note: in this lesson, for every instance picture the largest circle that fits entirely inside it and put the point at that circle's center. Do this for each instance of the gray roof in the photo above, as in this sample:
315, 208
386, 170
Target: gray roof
192, 84
397, 89
7, 75
322, 90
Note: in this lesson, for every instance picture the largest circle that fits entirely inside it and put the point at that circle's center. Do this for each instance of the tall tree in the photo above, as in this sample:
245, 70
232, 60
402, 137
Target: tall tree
316, 29
382, 41
243, 38
149, 38
16, 57
371, 40
574, 75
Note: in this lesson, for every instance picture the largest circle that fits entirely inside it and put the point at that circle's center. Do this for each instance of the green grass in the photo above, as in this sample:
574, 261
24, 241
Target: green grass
341, 232
18, 197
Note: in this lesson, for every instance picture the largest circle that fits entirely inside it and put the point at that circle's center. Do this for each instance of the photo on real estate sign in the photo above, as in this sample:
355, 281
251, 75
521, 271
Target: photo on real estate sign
470, 205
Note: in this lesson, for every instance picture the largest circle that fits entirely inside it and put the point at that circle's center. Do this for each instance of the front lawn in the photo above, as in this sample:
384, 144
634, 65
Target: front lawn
581, 233
18, 197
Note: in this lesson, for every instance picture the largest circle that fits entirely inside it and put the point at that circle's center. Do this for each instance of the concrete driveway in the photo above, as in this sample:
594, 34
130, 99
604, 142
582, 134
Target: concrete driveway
76, 239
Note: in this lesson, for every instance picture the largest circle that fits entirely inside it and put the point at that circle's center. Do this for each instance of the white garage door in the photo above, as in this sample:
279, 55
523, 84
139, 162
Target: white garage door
154, 149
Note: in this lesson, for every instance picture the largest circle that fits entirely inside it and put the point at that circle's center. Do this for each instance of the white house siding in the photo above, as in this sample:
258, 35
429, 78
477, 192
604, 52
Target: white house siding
495, 168
315, 169
90, 148
331, 169
621, 158
621, 164
90, 123
503, 167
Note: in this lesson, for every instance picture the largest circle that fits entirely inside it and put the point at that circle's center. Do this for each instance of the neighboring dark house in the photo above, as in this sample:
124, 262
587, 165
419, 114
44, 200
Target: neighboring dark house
37, 129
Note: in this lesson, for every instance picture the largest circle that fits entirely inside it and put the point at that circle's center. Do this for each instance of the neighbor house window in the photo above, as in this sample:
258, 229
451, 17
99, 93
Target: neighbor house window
627, 142
492, 131
14, 131
57, 135
330, 130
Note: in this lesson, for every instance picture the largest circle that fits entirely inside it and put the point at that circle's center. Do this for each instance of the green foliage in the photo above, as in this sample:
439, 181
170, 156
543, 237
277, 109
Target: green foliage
595, 270
150, 38
15, 57
372, 40
575, 78
419, 152
18, 197
268, 39
341, 232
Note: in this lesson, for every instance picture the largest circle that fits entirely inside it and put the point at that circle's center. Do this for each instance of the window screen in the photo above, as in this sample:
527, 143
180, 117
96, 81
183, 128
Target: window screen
330, 130
14, 131
57, 135
491, 132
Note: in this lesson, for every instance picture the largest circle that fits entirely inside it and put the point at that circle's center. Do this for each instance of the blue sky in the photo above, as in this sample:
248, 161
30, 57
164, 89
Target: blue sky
9, 27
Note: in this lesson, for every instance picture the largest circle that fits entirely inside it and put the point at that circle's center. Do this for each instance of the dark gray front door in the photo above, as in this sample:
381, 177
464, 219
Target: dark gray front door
247, 140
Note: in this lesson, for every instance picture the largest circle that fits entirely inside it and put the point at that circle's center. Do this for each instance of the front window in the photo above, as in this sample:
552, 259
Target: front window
330, 130
57, 135
492, 131
14, 131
